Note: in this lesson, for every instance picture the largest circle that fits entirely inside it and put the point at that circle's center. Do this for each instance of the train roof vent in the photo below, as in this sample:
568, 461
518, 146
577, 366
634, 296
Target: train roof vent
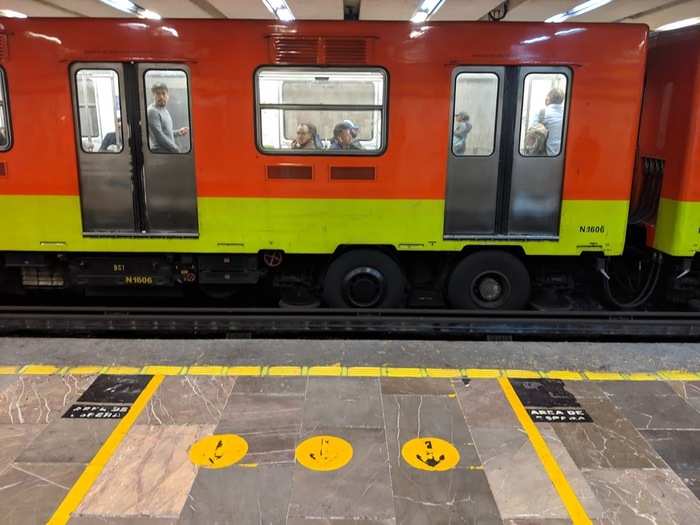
295, 50
345, 50
319, 50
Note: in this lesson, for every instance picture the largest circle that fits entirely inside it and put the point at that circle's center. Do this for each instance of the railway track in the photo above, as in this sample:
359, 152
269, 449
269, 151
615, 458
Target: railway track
415, 324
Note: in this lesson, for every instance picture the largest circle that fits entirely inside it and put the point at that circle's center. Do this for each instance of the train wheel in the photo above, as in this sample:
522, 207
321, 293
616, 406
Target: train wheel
364, 279
489, 280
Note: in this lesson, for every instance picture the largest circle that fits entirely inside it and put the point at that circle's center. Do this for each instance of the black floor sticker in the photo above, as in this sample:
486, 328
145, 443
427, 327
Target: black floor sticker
548, 401
96, 412
115, 389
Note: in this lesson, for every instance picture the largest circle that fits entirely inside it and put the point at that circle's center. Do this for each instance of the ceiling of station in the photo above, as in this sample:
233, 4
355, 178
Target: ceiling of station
652, 12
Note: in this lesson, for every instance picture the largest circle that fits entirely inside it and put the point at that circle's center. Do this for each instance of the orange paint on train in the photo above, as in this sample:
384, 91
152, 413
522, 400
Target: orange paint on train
670, 125
607, 61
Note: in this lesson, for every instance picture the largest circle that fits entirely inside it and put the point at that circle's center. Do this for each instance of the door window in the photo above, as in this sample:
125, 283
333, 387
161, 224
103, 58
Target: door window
99, 110
168, 111
542, 120
474, 119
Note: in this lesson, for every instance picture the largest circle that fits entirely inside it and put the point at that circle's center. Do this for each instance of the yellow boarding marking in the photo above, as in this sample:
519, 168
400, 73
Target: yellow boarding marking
331, 370
244, 370
161, 370
39, 370
85, 370
122, 370
430, 453
566, 375
604, 376
679, 375
364, 371
573, 506
9, 370
522, 374
284, 371
642, 376
447, 373
205, 371
391, 371
324, 453
247, 465
218, 451
481, 373
82, 486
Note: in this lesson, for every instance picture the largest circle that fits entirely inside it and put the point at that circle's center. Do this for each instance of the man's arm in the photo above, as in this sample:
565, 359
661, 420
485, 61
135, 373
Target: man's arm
155, 128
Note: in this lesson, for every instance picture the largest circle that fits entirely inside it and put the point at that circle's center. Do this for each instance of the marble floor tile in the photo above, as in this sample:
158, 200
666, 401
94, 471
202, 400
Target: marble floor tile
691, 478
538, 522
270, 424
342, 402
29, 494
13, 440
104, 520
572, 473
119, 389
40, 399
188, 400
584, 389
150, 474
270, 385
656, 411
631, 496
330, 521
635, 388
484, 405
416, 386
68, 441
7, 381
694, 402
240, 496
359, 490
679, 448
520, 486
610, 441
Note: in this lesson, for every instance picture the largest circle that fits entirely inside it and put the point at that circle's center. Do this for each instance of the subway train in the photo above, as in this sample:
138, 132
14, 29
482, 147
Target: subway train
360, 165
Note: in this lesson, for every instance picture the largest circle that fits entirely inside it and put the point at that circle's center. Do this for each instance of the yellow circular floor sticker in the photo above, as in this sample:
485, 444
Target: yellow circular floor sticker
324, 453
430, 453
218, 451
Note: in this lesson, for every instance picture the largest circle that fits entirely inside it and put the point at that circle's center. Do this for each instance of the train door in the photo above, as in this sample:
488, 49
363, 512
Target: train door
134, 142
506, 160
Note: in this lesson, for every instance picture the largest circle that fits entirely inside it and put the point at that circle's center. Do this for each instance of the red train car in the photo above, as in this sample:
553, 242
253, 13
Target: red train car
462, 148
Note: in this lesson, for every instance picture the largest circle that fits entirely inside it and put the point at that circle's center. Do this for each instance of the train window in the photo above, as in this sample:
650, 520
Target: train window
474, 119
321, 110
4, 116
168, 111
99, 109
542, 124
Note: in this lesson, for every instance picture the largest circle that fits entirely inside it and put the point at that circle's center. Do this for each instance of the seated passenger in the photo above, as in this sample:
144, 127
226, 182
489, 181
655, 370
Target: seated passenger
461, 129
552, 117
342, 138
307, 137
354, 130
110, 142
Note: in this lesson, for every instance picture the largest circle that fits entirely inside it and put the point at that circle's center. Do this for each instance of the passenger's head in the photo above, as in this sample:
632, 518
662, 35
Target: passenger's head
343, 133
555, 96
353, 128
160, 94
462, 117
306, 133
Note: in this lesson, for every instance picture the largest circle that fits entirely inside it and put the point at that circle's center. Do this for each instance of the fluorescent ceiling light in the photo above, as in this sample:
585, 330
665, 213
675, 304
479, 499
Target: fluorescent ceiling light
578, 10
9, 13
427, 9
133, 9
687, 22
279, 9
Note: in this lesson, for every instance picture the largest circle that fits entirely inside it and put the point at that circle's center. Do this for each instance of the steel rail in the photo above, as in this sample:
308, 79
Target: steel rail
420, 324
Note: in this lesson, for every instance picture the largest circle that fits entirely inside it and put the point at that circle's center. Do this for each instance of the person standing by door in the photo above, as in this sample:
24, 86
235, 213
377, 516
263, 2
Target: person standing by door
161, 136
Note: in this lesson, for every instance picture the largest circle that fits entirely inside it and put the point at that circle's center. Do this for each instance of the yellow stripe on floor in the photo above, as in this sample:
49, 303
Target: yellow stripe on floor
568, 497
84, 483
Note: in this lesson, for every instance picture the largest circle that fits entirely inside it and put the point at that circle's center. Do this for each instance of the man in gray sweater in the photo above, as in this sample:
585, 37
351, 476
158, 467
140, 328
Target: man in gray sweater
161, 136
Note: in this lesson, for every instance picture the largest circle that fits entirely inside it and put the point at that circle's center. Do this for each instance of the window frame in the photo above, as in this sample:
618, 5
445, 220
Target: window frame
568, 76
78, 107
383, 111
146, 103
454, 112
6, 105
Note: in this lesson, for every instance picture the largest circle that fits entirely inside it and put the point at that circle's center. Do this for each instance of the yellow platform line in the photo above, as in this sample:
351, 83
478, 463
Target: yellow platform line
338, 370
568, 497
82, 486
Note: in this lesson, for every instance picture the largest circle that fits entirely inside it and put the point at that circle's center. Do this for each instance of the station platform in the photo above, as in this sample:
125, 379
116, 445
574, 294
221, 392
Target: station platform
87, 436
